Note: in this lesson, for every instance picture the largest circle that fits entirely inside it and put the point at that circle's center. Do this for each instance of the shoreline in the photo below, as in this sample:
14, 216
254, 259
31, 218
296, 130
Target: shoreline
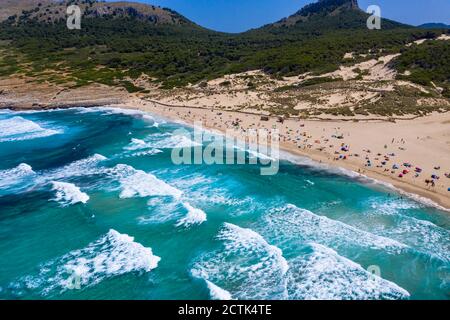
410, 190
403, 187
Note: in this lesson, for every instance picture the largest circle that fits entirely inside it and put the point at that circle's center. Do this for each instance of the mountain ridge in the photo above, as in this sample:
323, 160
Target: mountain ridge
51, 11
342, 14
321, 7
434, 25
116, 43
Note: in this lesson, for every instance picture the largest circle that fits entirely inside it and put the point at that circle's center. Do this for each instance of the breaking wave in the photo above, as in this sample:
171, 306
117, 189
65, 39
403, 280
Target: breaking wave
140, 148
246, 265
68, 194
128, 112
14, 176
324, 275
18, 129
83, 167
112, 255
194, 216
217, 293
139, 183
422, 235
250, 268
176, 141
290, 223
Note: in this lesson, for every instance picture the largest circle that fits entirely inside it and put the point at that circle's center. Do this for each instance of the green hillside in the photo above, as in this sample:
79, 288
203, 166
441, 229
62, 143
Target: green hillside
130, 39
427, 63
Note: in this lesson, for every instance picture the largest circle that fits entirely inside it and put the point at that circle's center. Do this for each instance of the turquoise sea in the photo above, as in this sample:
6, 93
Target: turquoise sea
92, 207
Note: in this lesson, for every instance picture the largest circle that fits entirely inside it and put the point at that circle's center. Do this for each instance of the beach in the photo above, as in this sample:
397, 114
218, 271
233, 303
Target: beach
369, 145
150, 154
144, 227
418, 148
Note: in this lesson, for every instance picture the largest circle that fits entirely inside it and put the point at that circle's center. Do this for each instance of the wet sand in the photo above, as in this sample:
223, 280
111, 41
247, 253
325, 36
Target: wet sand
376, 149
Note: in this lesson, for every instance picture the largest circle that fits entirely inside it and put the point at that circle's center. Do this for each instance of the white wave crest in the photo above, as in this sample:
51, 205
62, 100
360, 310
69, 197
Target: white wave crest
141, 147
139, 183
324, 275
304, 161
106, 111
109, 110
194, 216
112, 255
419, 234
150, 152
254, 153
137, 144
18, 129
217, 293
11, 177
24, 176
290, 223
83, 167
68, 193
176, 141
248, 266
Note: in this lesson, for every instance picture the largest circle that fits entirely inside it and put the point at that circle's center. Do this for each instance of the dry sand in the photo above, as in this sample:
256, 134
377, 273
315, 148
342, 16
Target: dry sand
423, 142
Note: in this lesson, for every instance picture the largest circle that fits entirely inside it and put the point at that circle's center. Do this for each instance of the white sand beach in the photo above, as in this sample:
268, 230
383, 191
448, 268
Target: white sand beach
406, 153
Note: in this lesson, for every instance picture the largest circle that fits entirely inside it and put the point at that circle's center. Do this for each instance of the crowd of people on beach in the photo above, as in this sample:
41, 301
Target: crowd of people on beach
334, 145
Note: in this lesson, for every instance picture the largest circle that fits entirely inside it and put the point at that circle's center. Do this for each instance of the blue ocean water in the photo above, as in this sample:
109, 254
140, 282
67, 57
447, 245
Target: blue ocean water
92, 207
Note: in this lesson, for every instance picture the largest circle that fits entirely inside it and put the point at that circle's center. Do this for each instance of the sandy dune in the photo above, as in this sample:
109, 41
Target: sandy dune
422, 143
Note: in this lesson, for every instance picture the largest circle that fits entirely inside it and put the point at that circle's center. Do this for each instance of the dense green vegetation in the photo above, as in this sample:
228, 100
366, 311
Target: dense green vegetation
426, 63
108, 49
179, 55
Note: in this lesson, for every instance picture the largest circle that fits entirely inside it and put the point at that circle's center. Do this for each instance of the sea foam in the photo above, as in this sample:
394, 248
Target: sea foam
292, 224
176, 141
11, 177
421, 235
247, 267
23, 175
325, 275
78, 168
68, 194
106, 111
217, 293
139, 183
112, 255
140, 148
250, 268
18, 129
194, 216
